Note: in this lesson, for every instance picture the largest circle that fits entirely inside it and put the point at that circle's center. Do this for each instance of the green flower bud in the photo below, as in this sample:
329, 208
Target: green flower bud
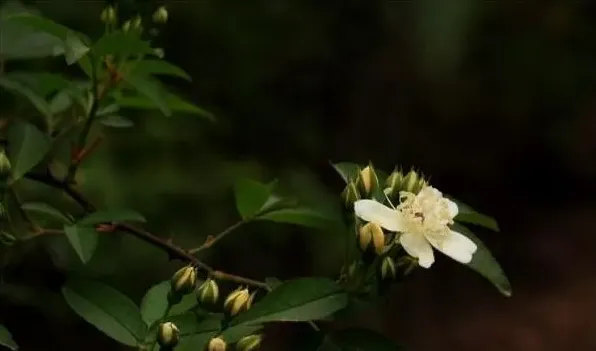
168, 335
250, 343
159, 52
137, 24
422, 183
160, 15
5, 166
350, 195
371, 233
208, 292
393, 183
410, 182
108, 15
184, 280
217, 344
368, 180
126, 26
237, 302
388, 269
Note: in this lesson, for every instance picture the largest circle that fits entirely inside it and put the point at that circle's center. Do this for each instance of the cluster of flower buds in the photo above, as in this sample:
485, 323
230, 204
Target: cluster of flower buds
411, 182
108, 15
247, 343
168, 336
364, 186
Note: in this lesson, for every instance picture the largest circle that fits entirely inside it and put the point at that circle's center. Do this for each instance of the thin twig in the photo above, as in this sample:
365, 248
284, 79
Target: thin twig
213, 239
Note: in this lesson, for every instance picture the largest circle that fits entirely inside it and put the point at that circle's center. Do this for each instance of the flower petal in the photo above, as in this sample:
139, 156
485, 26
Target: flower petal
417, 246
455, 245
376, 212
453, 209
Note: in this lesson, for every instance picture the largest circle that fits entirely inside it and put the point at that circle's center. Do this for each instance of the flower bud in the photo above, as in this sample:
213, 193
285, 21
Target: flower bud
216, 344
126, 26
350, 195
422, 183
5, 166
388, 269
137, 24
208, 292
371, 233
184, 280
410, 182
237, 302
168, 335
160, 15
250, 343
108, 15
368, 180
393, 183
159, 52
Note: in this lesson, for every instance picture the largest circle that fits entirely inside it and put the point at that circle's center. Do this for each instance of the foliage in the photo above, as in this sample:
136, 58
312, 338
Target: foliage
122, 70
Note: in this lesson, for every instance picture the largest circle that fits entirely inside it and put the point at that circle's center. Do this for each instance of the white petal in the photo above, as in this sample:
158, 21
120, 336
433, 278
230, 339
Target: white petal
455, 245
373, 211
417, 246
453, 209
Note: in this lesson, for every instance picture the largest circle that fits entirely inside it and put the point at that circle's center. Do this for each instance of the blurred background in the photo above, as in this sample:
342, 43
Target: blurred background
496, 100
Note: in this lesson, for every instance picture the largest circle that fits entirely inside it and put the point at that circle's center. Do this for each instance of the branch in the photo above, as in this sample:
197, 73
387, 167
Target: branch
211, 240
172, 250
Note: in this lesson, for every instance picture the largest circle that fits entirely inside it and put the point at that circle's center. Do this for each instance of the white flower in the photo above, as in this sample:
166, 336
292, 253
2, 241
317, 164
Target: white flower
423, 221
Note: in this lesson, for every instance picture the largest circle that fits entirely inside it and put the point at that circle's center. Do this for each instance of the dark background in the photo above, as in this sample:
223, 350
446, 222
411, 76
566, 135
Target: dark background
494, 99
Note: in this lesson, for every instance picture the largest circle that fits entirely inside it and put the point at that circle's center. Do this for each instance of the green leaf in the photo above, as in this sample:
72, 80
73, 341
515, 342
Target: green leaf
22, 42
43, 208
27, 146
273, 283
347, 170
151, 89
467, 214
41, 83
357, 339
173, 102
108, 216
74, 48
6, 339
155, 303
107, 110
115, 121
484, 263
151, 67
15, 86
122, 44
250, 197
61, 102
299, 300
107, 309
300, 216
83, 240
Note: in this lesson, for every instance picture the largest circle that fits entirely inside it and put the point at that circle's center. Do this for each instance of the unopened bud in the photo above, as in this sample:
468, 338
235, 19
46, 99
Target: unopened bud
410, 182
250, 343
160, 15
137, 24
350, 195
126, 26
368, 180
421, 185
371, 233
251, 299
168, 335
237, 302
159, 52
393, 183
5, 166
208, 293
108, 15
216, 344
184, 280
388, 269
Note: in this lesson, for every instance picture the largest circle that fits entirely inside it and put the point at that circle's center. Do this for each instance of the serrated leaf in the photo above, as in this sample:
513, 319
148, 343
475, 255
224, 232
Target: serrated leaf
467, 214
120, 43
300, 216
484, 263
298, 300
27, 146
250, 197
16, 86
155, 303
151, 88
115, 121
358, 339
43, 208
107, 309
6, 339
107, 216
159, 67
74, 49
174, 103
347, 170
83, 240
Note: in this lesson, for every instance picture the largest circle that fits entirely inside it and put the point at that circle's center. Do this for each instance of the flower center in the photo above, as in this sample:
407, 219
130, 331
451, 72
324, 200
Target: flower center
426, 213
